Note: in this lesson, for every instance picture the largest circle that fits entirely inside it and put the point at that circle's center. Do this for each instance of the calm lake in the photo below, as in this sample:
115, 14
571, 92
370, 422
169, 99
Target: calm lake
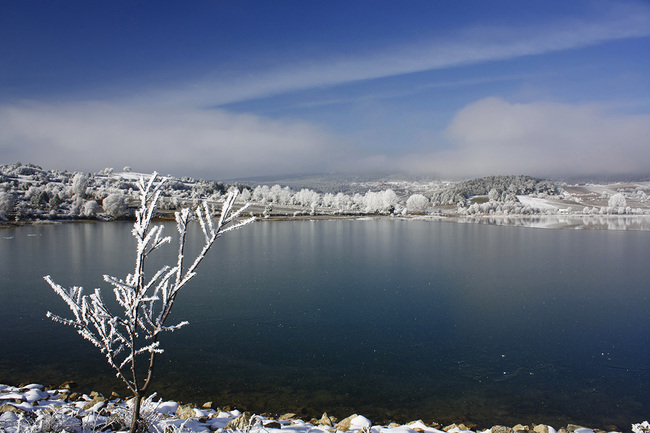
390, 319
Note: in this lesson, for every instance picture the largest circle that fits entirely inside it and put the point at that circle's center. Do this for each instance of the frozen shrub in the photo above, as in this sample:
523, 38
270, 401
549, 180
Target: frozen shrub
130, 339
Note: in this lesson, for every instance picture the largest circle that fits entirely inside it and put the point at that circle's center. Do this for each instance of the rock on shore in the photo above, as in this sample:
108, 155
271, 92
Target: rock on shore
35, 408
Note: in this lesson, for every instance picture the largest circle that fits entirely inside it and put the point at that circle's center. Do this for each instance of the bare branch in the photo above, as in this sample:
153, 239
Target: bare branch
146, 304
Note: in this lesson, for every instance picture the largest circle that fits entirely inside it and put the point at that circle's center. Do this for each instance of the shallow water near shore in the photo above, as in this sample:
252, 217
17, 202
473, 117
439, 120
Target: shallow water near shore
392, 319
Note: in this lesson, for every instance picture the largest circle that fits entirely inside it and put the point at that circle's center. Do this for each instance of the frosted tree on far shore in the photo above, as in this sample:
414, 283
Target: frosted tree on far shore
130, 340
617, 201
417, 203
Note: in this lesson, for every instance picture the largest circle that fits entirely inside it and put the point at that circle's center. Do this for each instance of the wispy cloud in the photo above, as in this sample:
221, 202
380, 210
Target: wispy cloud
470, 46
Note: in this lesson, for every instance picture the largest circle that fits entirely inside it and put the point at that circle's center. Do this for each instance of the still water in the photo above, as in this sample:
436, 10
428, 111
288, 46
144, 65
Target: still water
392, 319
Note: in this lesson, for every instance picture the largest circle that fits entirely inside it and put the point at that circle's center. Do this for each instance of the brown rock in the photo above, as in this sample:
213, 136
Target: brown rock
272, 424
288, 417
500, 429
207, 405
69, 385
541, 428
520, 427
240, 423
97, 399
185, 412
325, 420
11, 408
344, 424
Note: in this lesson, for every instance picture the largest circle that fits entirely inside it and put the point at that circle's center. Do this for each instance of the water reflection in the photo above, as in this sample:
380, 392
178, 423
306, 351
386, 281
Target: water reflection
412, 319
586, 222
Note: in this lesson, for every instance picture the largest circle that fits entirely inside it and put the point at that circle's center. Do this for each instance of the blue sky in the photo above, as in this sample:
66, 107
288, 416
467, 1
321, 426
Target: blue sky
227, 89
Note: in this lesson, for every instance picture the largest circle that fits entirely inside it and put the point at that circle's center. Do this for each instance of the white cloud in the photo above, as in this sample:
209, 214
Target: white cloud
210, 144
493, 136
471, 46
489, 136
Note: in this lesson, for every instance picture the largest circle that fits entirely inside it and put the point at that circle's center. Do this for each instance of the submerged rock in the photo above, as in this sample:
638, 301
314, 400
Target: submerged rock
69, 385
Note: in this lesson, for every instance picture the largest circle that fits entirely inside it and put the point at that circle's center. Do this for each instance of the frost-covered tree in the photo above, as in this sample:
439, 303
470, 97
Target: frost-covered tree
417, 203
617, 201
130, 339
91, 209
115, 205
79, 184
7, 202
245, 195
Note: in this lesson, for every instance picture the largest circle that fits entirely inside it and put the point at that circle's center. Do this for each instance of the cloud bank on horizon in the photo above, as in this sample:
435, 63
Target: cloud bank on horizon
449, 90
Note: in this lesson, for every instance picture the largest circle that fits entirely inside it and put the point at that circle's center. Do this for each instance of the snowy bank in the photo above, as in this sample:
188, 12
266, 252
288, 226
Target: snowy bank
34, 408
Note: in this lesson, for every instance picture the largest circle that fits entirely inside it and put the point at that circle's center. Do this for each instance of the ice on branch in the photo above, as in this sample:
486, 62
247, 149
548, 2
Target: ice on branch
130, 339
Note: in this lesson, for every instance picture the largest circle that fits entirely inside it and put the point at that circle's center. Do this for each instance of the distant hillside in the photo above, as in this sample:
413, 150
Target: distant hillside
28, 192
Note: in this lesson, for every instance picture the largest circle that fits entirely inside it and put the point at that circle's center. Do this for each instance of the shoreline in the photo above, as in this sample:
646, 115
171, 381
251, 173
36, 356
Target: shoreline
553, 222
30, 401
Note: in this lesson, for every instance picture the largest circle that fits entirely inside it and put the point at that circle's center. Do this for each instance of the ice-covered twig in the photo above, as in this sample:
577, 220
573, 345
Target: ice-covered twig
146, 303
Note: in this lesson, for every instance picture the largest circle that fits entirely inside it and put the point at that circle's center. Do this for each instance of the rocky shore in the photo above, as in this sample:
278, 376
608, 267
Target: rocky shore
36, 408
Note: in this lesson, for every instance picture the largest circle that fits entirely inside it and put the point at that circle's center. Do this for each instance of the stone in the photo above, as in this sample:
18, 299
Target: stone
69, 385
288, 417
11, 408
207, 405
356, 421
344, 424
185, 412
272, 424
240, 423
96, 400
520, 427
541, 428
501, 429
325, 420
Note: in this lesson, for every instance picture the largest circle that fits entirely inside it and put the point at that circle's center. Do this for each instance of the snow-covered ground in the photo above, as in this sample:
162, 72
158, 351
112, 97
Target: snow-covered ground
34, 408
29, 193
